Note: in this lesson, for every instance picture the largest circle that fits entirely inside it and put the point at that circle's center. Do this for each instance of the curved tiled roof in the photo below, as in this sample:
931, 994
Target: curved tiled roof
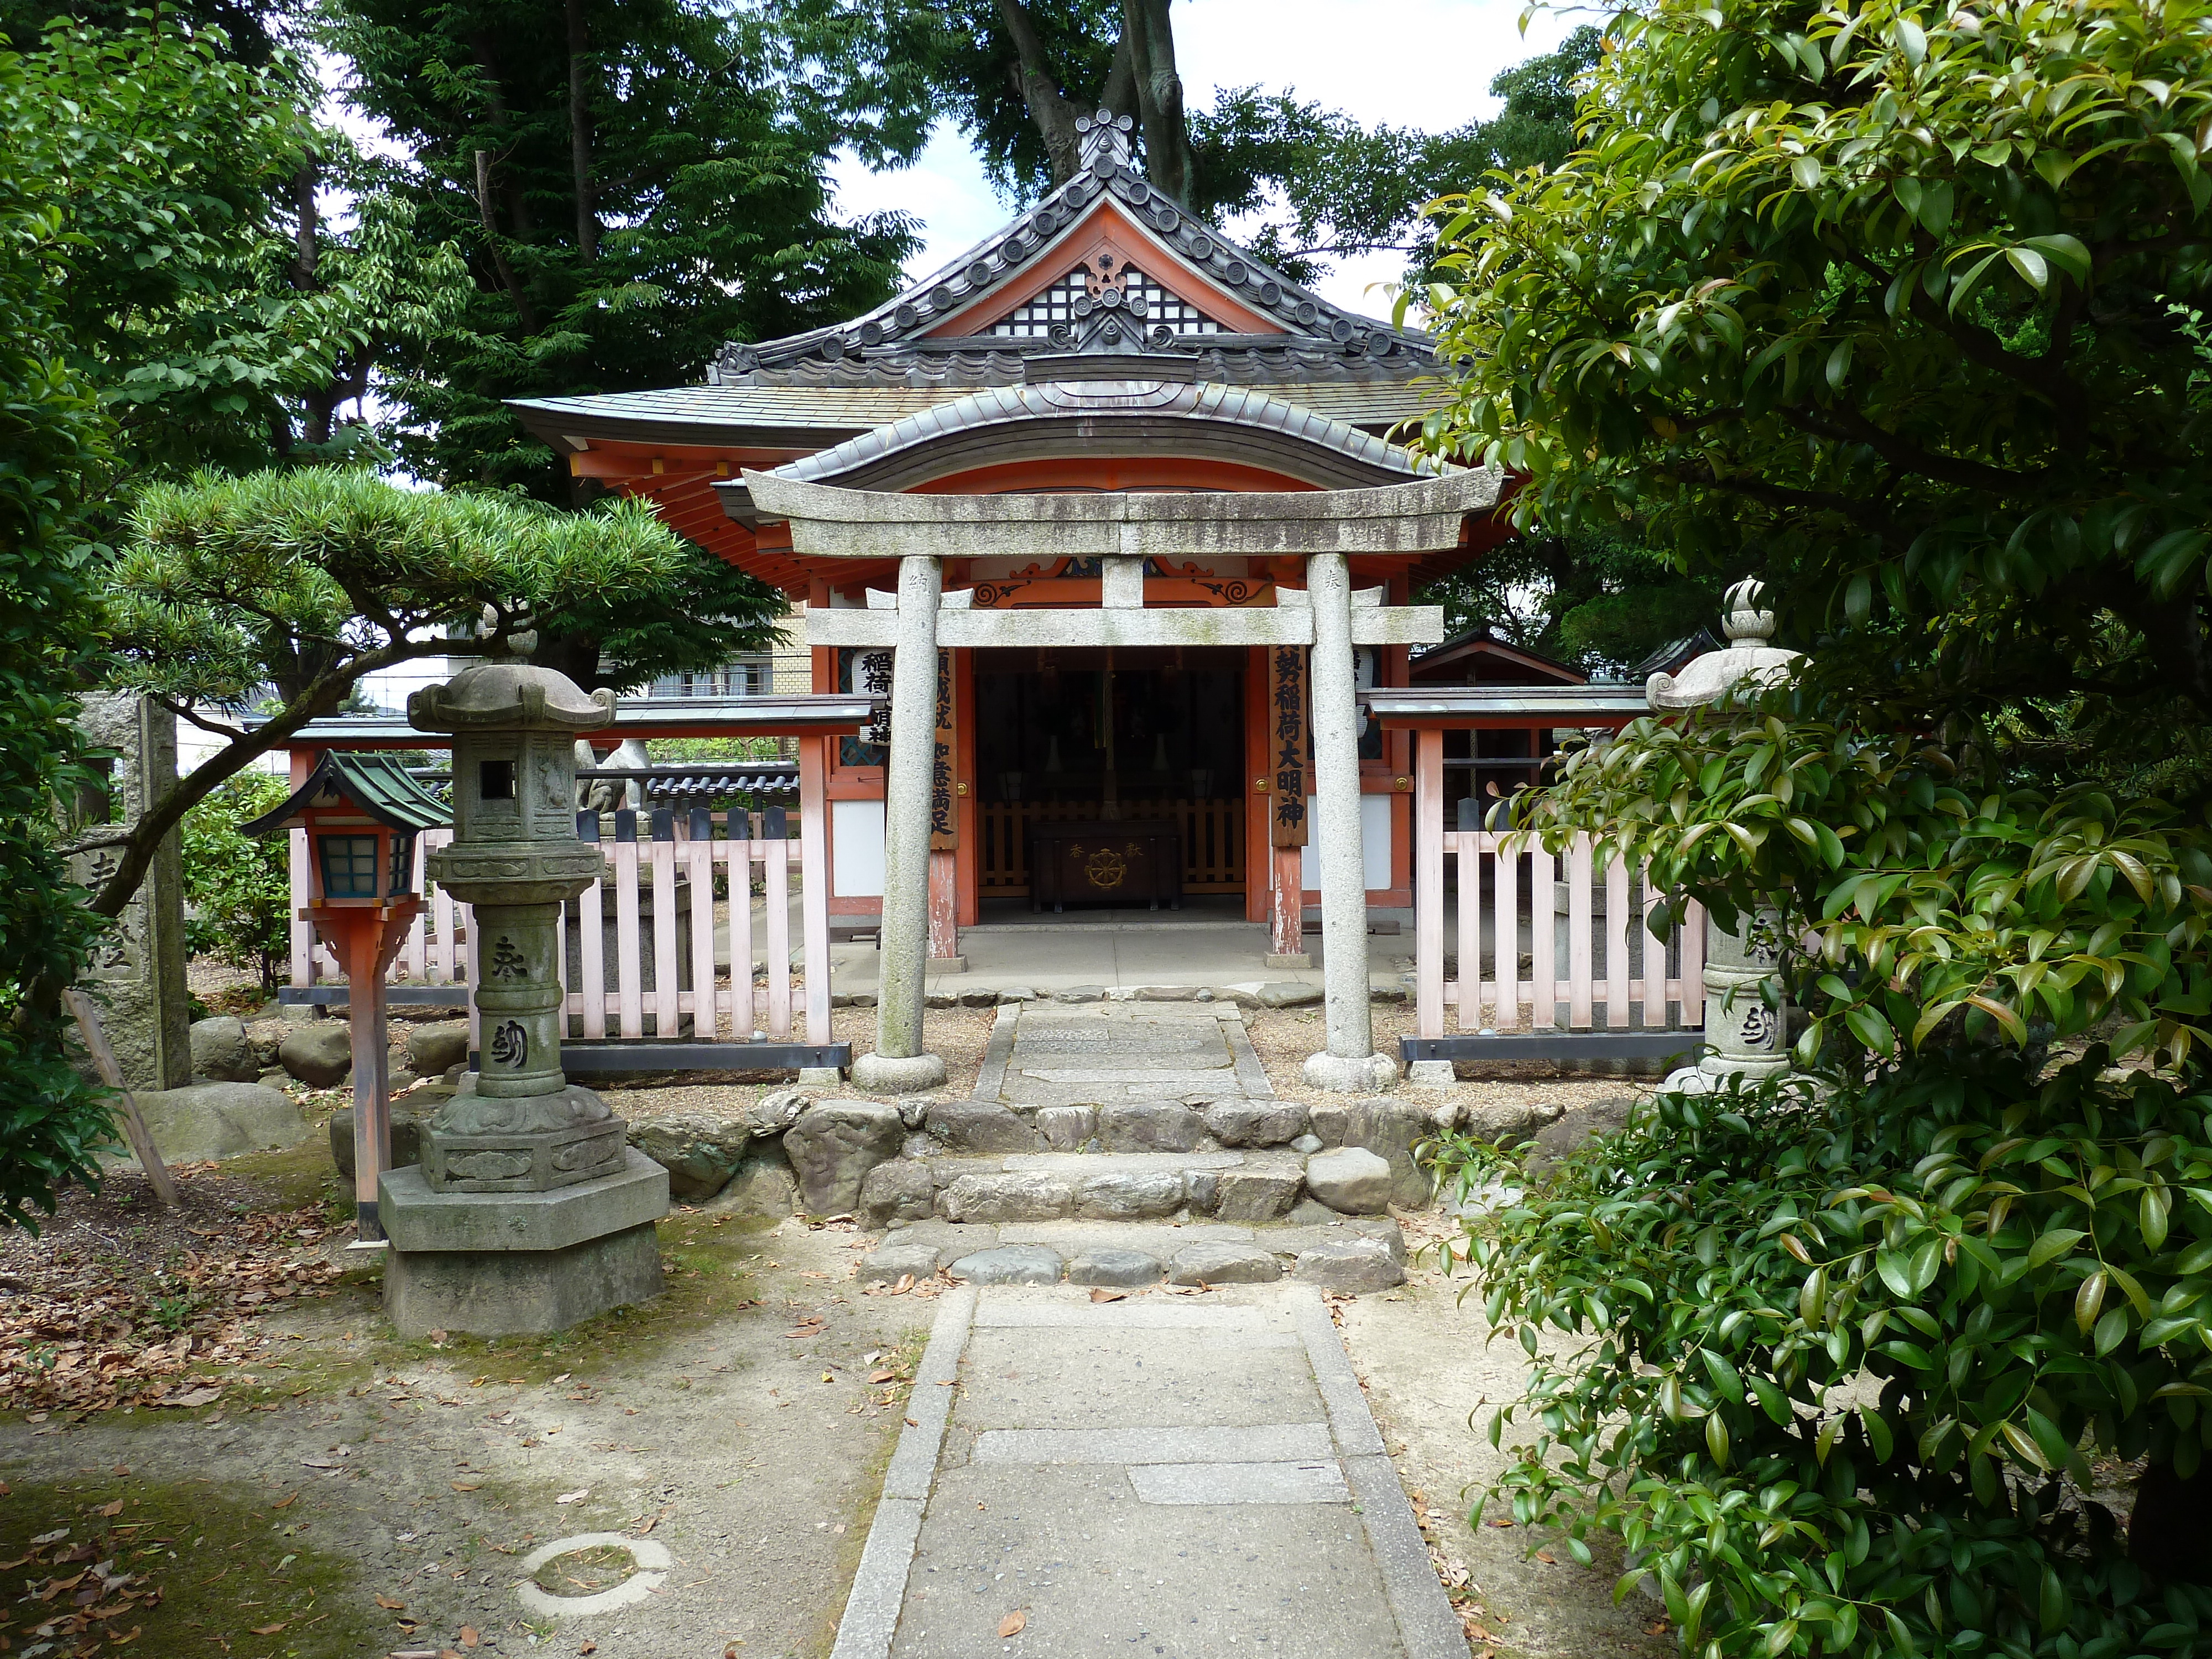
1186, 418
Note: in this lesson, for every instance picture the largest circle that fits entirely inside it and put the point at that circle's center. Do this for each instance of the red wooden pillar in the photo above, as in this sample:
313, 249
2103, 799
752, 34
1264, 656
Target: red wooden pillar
813, 894
1429, 888
944, 906
1286, 901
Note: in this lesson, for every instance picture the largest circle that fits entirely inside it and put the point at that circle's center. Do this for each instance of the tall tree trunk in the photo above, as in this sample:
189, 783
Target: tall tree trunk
1054, 113
523, 308
1148, 39
579, 130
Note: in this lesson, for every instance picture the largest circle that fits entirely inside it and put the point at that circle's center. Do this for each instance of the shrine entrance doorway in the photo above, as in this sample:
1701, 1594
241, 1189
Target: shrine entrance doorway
1136, 737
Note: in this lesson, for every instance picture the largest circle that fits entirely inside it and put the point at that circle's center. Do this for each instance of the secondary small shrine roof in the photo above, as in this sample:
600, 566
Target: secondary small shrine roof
377, 786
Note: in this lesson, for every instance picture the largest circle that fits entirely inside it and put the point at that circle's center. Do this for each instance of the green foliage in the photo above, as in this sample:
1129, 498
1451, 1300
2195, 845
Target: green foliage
1592, 600
1828, 1357
1890, 300
53, 447
1922, 894
706, 613
685, 208
238, 888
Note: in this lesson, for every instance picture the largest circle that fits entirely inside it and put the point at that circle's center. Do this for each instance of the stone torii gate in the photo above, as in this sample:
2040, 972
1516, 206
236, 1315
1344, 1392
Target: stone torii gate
1324, 528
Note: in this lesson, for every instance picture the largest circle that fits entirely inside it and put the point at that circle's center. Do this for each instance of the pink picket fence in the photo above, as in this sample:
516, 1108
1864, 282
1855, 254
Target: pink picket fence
1542, 942
639, 946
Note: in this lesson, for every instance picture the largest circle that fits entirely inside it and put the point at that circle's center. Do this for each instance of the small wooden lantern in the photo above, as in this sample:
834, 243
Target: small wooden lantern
363, 815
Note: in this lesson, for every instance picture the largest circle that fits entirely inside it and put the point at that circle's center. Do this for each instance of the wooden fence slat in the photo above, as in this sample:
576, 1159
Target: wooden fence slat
1581, 972
303, 931
1505, 936
743, 851
698, 856
466, 919
1652, 992
1692, 993
446, 961
1543, 936
1429, 884
814, 883
411, 951
630, 989
591, 945
665, 953
778, 866
1470, 930
1616, 945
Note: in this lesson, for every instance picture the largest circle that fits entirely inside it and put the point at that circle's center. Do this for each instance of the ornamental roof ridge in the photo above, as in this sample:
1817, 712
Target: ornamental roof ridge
895, 329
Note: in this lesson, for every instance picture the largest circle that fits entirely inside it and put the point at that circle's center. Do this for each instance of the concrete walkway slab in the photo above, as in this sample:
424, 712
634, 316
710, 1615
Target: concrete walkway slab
1165, 1476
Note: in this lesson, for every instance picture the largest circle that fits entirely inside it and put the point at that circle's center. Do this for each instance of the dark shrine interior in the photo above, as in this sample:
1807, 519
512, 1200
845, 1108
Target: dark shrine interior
1095, 725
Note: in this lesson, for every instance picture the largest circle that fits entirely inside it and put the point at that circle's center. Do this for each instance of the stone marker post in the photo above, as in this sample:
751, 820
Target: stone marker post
1747, 1021
528, 1212
137, 974
1349, 1065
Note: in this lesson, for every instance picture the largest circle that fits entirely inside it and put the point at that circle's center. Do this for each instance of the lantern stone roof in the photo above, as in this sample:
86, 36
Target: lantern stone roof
1103, 267
510, 693
376, 786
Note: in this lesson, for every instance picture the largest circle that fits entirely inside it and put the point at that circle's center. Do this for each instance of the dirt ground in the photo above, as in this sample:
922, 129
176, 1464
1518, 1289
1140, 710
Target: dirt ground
211, 1442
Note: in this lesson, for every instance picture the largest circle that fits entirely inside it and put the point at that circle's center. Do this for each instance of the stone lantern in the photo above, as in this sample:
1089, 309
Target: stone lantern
528, 1212
1747, 1021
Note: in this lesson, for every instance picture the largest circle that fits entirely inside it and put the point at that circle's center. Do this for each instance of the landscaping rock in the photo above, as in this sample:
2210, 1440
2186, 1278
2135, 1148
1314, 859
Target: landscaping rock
1166, 994
949, 1242
1065, 1128
1308, 1142
764, 1185
406, 1137
889, 1263
1130, 1195
1016, 994
1297, 1241
431, 1048
1224, 1264
1351, 1180
1258, 1193
1119, 1269
1388, 1127
700, 1151
1005, 1198
1081, 994
1310, 1213
1575, 1129
1202, 1190
222, 1052
1501, 1122
320, 1053
1287, 994
981, 1126
914, 1112
1009, 1264
772, 1114
220, 1120
833, 1145
1150, 1125
900, 1190
1349, 1266
1255, 1122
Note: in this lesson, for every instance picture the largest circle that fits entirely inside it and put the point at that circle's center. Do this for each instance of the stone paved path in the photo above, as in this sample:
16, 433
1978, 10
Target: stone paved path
1046, 1054
1162, 1475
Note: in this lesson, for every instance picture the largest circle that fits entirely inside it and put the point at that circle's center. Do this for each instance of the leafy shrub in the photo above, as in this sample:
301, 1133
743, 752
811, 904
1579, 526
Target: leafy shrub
239, 888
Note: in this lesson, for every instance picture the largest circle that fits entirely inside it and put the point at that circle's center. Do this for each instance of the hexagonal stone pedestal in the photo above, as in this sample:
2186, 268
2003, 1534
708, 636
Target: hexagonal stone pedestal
510, 1264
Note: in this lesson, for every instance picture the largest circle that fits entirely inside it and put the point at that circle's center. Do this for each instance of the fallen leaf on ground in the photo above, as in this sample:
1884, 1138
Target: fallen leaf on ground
468, 1636
285, 1502
575, 1497
267, 1630
883, 1376
466, 1485
110, 1509
587, 1645
1108, 1295
1012, 1622
1499, 1521
1547, 1558
391, 1606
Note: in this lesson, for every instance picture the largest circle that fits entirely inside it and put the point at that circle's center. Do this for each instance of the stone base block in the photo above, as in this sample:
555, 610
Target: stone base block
1431, 1074
820, 1077
419, 1221
1719, 1075
490, 1160
948, 964
520, 1292
1289, 959
881, 1075
1337, 1075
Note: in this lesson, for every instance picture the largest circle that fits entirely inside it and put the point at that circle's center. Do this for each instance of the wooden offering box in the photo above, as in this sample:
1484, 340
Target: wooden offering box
1105, 863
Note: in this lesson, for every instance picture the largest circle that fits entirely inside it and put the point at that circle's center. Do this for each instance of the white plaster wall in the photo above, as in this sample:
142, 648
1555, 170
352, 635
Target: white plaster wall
1373, 844
856, 848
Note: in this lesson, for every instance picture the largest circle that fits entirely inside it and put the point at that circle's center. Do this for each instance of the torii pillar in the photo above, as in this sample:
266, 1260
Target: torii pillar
900, 1065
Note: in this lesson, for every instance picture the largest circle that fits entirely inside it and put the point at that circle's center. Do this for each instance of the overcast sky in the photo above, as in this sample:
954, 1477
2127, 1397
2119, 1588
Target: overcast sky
1430, 67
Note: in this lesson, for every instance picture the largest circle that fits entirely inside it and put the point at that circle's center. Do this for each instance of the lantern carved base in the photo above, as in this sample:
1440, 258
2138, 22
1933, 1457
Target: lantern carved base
494, 1144
506, 1264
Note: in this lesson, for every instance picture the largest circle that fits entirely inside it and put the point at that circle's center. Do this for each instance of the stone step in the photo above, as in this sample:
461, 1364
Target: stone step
1344, 1254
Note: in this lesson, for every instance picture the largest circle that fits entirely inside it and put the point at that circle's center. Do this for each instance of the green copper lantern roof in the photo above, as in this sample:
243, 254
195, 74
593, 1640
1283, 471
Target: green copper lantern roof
378, 786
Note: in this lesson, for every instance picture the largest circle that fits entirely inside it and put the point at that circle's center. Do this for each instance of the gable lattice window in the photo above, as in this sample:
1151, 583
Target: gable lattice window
1105, 284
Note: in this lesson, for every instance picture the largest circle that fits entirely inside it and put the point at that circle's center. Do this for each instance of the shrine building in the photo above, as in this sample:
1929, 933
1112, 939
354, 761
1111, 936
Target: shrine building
1109, 510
